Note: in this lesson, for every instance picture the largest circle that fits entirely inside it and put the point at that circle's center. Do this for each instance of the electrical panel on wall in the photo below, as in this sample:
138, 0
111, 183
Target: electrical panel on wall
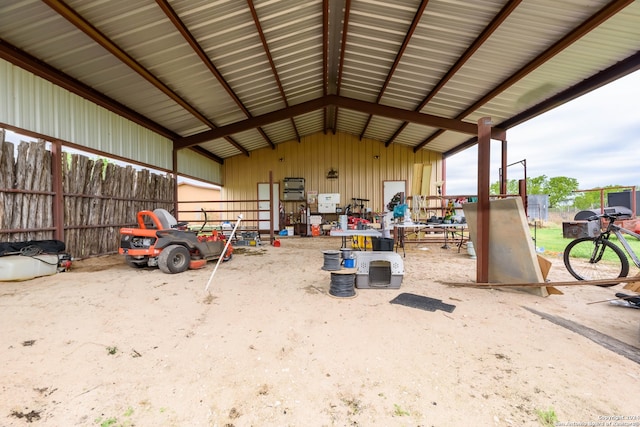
293, 189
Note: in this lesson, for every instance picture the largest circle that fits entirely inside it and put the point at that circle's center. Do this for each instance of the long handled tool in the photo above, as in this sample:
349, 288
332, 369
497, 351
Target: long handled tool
224, 251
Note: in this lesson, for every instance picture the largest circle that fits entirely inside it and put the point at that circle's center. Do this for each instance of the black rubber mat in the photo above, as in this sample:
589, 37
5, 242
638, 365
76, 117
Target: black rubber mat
422, 302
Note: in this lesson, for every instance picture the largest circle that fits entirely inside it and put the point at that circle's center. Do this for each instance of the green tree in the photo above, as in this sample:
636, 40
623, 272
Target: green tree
559, 189
591, 199
537, 185
512, 187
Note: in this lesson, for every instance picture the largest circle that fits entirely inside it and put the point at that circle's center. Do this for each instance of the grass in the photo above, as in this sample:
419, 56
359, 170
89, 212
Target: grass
550, 238
398, 411
547, 418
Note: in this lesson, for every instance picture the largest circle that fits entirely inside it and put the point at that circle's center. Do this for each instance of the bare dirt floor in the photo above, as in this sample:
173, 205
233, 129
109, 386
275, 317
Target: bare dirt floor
108, 345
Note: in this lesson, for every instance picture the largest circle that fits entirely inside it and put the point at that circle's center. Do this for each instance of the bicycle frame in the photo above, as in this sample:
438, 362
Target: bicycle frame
619, 231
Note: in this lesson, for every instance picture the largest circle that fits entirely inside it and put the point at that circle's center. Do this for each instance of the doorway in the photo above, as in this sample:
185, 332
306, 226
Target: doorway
266, 211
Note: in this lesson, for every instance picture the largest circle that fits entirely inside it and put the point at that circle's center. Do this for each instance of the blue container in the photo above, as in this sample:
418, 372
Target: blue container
349, 263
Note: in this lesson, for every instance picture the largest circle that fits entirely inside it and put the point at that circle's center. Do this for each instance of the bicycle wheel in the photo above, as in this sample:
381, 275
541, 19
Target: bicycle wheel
590, 258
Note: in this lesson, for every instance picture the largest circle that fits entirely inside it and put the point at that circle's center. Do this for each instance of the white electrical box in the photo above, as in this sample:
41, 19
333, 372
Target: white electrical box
326, 207
333, 198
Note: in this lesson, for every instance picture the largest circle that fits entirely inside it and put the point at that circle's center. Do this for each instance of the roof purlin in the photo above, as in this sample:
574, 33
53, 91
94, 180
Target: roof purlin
616, 71
581, 30
182, 29
479, 41
403, 47
265, 45
343, 44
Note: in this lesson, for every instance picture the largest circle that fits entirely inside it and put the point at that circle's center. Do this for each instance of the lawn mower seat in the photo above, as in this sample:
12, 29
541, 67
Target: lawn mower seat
167, 221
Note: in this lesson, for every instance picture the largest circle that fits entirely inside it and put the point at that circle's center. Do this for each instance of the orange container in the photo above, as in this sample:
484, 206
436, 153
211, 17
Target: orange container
315, 230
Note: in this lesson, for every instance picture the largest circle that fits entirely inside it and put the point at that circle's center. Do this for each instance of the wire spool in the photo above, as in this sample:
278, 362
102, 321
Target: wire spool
342, 284
331, 260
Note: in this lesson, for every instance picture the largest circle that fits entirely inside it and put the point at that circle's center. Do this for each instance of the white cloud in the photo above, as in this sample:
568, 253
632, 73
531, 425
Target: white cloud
595, 139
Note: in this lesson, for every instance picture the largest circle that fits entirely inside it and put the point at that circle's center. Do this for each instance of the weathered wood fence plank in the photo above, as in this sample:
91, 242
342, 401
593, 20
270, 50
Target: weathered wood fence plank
99, 197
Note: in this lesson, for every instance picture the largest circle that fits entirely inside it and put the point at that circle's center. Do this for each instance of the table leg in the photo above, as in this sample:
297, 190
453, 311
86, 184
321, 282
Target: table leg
446, 241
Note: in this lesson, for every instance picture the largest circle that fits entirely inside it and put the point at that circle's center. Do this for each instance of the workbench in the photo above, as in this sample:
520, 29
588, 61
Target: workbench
351, 233
404, 233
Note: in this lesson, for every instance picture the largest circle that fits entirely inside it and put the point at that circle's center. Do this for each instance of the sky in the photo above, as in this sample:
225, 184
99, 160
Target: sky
594, 139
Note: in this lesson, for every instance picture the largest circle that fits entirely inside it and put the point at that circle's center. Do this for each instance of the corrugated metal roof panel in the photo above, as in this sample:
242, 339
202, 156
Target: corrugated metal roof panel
558, 73
294, 36
382, 128
310, 123
351, 121
524, 35
376, 32
227, 33
221, 148
280, 131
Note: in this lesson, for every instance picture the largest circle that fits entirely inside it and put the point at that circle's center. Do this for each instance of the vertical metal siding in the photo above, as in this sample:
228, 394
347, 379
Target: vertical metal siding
193, 164
34, 104
360, 174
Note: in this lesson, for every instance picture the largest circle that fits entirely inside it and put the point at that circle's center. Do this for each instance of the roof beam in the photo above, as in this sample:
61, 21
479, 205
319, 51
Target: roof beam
265, 119
604, 77
403, 47
325, 57
336, 101
477, 43
86, 27
177, 22
412, 116
580, 31
343, 48
267, 51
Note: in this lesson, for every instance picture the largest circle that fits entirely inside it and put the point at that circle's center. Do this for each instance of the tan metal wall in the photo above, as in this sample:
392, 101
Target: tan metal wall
360, 173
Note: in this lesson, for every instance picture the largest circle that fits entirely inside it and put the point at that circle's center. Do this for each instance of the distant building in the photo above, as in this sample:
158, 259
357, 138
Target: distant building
538, 207
193, 197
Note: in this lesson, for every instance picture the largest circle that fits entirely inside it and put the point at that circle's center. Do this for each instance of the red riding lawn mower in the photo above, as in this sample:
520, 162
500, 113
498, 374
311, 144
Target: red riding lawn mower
160, 241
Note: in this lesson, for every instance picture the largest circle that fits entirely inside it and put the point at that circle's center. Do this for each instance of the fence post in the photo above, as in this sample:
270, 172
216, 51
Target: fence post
58, 198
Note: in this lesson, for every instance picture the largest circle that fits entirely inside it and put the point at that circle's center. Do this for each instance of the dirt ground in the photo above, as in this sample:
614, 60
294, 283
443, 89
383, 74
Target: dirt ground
107, 345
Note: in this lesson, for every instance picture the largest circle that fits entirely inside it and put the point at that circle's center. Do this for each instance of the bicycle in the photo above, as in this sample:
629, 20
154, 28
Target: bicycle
594, 258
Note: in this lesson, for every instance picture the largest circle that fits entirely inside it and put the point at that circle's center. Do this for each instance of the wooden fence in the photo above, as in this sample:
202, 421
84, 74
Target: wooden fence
99, 197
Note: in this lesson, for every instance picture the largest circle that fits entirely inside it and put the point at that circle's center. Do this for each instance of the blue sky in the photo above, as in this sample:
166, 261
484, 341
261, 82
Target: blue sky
594, 139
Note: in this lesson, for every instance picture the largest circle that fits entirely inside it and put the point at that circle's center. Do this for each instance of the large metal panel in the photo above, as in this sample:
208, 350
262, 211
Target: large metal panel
195, 165
36, 105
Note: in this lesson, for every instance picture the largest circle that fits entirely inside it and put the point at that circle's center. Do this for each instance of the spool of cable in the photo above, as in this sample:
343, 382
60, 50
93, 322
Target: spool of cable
342, 284
331, 260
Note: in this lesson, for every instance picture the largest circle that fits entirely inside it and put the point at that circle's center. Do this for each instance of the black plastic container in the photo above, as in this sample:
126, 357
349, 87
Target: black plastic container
382, 244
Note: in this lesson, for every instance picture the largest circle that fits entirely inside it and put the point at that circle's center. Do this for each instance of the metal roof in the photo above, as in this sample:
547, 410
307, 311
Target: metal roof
229, 76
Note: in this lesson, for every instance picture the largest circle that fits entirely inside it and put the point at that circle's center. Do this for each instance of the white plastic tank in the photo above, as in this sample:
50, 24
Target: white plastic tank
20, 267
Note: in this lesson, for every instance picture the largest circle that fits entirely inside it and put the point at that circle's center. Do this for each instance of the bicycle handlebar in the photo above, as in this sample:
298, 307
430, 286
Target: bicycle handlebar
609, 216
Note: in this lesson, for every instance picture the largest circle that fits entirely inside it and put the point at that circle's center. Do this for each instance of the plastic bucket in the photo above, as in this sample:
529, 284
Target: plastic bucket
349, 263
